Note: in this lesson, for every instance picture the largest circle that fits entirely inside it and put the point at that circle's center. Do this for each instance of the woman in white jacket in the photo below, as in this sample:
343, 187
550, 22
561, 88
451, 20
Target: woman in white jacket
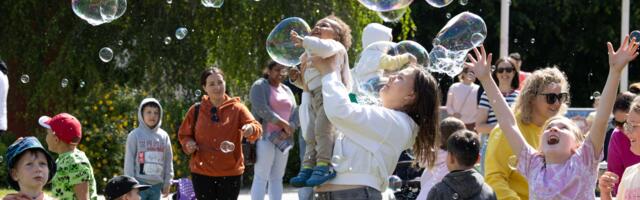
372, 137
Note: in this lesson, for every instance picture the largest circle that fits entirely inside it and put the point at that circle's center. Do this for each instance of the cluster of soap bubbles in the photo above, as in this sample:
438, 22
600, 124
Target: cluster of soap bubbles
462, 33
97, 12
227, 147
212, 3
368, 76
279, 44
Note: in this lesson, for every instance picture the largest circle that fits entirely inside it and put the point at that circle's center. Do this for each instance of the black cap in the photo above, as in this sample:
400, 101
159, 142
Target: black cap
121, 185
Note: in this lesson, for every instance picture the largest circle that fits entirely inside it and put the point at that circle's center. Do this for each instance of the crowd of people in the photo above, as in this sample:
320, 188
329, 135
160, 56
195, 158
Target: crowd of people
505, 138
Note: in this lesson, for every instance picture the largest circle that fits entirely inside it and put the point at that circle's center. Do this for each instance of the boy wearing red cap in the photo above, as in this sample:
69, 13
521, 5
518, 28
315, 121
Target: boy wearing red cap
74, 177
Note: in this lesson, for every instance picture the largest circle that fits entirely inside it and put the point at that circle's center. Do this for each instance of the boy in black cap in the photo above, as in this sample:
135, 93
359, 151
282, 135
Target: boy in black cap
30, 167
123, 188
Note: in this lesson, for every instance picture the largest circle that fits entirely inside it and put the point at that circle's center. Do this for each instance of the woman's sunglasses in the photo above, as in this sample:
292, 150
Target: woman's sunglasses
505, 69
551, 97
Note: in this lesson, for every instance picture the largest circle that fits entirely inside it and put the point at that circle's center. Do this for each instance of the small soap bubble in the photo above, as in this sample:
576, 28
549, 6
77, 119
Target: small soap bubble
64, 83
181, 33
24, 78
106, 54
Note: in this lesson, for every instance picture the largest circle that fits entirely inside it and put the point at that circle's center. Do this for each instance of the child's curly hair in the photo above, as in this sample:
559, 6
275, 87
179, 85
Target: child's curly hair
343, 31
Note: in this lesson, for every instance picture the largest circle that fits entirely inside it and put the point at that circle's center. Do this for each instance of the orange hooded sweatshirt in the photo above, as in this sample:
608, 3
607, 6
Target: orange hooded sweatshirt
209, 160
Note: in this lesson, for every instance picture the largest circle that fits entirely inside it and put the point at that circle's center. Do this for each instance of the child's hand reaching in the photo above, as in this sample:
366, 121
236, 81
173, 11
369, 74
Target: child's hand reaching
481, 65
625, 53
296, 39
247, 130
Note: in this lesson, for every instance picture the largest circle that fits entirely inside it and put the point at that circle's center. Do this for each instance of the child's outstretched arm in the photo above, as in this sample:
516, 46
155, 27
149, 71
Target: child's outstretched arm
617, 61
481, 66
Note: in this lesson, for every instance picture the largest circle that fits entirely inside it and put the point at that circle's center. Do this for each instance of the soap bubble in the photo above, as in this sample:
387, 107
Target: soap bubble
635, 34
167, 40
448, 15
513, 162
464, 2
460, 31
97, 12
64, 83
81, 84
533, 40
369, 77
279, 44
439, 3
106, 54
181, 33
336, 160
461, 34
197, 93
385, 5
227, 147
169, 1
395, 183
24, 78
393, 15
212, 3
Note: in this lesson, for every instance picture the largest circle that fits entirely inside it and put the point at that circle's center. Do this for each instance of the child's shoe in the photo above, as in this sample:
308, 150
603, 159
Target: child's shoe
320, 175
302, 177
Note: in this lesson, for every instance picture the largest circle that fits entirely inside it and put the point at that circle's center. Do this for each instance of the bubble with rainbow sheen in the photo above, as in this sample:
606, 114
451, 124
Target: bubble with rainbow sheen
279, 45
392, 16
440, 3
385, 5
97, 12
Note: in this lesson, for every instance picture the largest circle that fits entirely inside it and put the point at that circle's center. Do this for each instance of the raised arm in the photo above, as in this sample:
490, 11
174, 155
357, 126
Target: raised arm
617, 61
481, 66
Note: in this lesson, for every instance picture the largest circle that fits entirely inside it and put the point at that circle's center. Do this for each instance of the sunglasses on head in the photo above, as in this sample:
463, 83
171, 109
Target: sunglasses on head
505, 69
214, 115
551, 97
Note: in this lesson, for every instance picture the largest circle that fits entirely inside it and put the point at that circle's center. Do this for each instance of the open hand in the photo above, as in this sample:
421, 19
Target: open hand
166, 190
626, 53
481, 64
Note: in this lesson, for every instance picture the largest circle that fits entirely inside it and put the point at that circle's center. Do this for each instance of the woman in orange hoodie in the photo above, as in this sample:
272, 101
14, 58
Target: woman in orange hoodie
215, 168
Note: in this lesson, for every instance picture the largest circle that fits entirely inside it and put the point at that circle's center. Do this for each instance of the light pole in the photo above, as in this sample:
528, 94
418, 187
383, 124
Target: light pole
624, 30
504, 27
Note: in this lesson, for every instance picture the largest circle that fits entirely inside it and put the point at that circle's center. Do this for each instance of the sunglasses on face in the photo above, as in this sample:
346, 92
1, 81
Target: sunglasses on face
629, 128
551, 97
214, 115
505, 69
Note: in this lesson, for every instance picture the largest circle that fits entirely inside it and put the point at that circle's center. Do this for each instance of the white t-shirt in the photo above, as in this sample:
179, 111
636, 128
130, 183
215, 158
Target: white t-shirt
629, 187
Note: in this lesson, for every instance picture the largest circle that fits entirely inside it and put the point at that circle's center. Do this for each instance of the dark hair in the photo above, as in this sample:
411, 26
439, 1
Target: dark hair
150, 104
270, 65
425, 111
209, 71
515, 56
515, 81
343, 31
449, 126
623, 102
464, 146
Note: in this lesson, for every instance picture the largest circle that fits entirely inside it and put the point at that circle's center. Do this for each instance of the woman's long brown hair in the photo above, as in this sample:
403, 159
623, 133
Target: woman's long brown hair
425, 111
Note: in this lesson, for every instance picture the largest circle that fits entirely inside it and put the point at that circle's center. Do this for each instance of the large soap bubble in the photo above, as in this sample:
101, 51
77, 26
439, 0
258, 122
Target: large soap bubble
212, 3
97, 12
279, 44
377, 61
385, 5
392, 16
461, 34
440, 3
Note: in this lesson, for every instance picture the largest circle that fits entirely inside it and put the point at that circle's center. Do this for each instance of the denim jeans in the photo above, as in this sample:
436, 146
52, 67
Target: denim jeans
269, 168
364, 193
153, 193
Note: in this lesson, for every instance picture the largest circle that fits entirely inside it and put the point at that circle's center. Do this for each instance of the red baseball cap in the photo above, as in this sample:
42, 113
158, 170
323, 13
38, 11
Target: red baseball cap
64, 126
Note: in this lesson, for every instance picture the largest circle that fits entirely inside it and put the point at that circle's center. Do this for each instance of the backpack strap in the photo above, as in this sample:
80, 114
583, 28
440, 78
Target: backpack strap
195, 117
